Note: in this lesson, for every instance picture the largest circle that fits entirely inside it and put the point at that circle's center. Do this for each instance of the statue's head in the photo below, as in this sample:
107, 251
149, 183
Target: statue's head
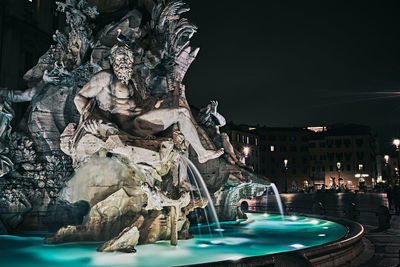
121, 59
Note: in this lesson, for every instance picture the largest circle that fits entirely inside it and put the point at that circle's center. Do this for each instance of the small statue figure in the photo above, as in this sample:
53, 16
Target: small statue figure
118, 102
6, 115
212, 121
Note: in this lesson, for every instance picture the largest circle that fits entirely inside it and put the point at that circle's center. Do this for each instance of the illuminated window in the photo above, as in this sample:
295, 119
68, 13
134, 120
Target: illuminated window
349, 182
360, 167
272, 148
247, 140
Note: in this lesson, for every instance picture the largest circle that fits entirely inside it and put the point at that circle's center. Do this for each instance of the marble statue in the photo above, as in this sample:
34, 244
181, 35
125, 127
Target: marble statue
211, 120
110, 124
6, 115
115, 99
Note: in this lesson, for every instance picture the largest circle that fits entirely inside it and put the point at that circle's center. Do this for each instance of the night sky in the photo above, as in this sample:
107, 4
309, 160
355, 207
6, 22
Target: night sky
299, 63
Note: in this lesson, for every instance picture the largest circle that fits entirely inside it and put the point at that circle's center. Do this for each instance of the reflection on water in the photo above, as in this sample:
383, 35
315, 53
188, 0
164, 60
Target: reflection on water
259, 235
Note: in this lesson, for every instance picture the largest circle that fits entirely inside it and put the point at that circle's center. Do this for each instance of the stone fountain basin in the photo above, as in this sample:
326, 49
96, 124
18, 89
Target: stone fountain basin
257, 243
335, 253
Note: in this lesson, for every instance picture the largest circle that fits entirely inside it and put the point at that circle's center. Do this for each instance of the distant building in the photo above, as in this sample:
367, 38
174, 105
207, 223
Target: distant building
296, 158
344, 155
245, 140
284, 157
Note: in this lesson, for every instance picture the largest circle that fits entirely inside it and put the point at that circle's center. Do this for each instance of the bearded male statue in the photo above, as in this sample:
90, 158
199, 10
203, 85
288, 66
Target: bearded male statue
121, 109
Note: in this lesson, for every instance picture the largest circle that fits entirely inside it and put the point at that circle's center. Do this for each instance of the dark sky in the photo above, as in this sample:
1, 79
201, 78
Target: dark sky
299, 63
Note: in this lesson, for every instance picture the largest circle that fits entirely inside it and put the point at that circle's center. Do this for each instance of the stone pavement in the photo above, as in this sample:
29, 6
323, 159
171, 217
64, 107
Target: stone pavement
382, 248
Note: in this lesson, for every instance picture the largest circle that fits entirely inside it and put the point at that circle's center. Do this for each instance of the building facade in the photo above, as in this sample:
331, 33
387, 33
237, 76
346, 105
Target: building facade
296, 158
344, 156
246, 142
284, 157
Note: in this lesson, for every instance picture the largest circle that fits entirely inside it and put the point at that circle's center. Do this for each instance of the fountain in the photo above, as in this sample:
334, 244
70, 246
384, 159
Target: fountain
112, 159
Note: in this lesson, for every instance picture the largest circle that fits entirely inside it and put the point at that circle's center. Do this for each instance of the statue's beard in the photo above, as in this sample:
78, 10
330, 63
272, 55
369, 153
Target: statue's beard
123, 73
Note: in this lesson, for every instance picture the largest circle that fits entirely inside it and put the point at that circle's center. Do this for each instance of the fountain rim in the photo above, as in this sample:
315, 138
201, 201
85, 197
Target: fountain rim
320, 254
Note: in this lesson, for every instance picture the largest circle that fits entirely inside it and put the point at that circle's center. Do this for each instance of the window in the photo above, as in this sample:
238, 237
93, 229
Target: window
329, 143
347, 142
313, 145
256, 141
282, 138
360, 167
313, 168
272, 138
272, 148
293, 148
293, 138
348, 168
348, 155
323, 168
331, 168
321, 144
282, 148
359, 142
247, 140
339, 156
294, 171
338, 143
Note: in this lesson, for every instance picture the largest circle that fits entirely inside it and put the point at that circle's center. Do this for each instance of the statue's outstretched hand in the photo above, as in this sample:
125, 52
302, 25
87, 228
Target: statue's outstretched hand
214, 105
50, 79
92, 126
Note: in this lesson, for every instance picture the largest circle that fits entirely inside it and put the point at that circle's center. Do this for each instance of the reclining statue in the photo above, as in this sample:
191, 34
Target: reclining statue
117, 107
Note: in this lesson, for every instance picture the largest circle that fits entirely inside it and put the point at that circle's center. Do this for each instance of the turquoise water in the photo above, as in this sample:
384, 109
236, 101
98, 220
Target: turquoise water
264, 234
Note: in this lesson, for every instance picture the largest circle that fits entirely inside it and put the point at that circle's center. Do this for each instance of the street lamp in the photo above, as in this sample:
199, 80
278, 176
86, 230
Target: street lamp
386, 157
285, 168
396, 142
246, 152
338, 165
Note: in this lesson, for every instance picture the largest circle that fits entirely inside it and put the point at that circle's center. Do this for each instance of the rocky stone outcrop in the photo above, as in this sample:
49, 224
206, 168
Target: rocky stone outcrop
124, 242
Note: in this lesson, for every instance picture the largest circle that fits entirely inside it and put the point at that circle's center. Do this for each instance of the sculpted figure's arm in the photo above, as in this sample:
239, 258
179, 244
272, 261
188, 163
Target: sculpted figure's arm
91, 89
16, 96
